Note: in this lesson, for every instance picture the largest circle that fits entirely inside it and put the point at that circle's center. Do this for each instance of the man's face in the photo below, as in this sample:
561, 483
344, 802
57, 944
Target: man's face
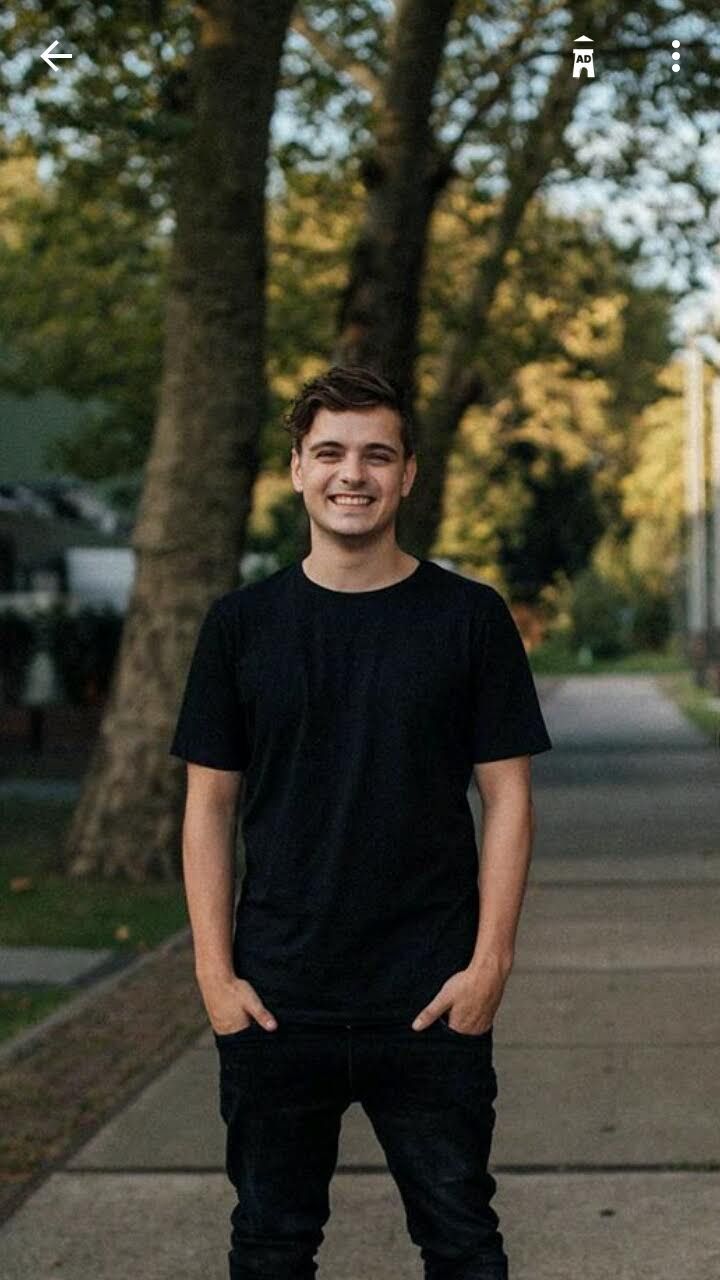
358, 453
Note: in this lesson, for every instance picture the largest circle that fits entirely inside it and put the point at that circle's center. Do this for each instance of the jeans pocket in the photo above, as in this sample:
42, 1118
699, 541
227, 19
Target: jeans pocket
224, 1037
476, 1036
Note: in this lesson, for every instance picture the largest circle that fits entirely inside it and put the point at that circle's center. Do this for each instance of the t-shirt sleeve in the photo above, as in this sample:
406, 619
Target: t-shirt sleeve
210, 728
507, 720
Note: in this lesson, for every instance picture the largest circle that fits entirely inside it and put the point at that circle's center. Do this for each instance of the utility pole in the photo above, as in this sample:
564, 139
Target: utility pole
695, 506
715, 551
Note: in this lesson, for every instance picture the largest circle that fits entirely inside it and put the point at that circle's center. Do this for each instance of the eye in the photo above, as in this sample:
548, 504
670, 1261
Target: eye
375, 457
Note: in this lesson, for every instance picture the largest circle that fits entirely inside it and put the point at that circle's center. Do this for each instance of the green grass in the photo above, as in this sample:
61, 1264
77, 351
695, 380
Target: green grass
555, 658
57, 912
46, 909
22, 1007
694, 702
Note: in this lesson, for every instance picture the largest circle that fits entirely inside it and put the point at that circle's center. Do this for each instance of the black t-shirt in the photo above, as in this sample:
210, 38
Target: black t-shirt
356, 718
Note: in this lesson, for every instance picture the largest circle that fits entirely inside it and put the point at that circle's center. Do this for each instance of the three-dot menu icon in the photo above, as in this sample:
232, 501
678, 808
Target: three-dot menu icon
676, 56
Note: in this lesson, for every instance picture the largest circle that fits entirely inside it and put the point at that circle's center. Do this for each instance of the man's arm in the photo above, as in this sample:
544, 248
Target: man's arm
209, 831
208, 848
474, 993
508, 832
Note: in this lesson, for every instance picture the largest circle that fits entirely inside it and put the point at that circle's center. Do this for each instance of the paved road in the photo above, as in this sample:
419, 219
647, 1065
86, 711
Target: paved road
607, 1146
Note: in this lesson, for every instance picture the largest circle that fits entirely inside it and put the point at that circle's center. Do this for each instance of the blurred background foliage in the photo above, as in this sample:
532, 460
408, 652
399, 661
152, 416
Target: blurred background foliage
564, 486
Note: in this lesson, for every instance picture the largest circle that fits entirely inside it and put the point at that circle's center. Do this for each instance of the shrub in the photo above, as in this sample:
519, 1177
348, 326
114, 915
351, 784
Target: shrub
17, 641
85, 646
83, 643
653, 622
598, 618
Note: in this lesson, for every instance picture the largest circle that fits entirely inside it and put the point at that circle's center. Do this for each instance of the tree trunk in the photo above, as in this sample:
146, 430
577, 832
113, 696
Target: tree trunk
404, 177
204, 456
459, 385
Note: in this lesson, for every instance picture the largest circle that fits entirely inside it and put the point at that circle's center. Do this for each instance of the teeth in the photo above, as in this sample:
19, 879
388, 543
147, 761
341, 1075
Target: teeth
352, 502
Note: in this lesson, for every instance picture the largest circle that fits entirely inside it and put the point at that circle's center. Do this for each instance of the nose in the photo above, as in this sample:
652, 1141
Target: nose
352, 472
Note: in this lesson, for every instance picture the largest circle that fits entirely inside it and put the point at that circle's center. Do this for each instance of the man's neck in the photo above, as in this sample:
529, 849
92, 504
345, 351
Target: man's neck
360, 576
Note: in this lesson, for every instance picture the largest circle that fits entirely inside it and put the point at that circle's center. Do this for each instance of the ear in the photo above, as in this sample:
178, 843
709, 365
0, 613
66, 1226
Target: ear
409, 473
295, 470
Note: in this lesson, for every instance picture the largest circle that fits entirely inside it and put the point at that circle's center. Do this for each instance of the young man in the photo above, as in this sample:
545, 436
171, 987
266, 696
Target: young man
355, 693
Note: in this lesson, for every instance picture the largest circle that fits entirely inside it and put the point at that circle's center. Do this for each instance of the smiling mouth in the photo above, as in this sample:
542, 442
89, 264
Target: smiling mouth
348, 500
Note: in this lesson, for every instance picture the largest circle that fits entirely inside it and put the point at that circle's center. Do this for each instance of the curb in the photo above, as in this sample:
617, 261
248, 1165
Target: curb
25, 1040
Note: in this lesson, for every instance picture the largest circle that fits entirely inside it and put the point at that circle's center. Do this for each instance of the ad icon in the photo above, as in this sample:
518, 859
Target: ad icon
583, 58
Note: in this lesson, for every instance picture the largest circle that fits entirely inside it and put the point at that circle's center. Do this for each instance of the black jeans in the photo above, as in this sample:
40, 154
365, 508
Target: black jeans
429, 1097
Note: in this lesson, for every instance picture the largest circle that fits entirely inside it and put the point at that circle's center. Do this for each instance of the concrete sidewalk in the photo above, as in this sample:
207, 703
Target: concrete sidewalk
607, 1051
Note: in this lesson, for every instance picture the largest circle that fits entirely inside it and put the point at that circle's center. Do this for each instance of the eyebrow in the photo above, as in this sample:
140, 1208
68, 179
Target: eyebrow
336, 444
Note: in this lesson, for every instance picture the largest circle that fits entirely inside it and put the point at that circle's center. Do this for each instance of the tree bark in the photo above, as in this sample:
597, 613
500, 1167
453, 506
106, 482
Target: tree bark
404, 177
204, 456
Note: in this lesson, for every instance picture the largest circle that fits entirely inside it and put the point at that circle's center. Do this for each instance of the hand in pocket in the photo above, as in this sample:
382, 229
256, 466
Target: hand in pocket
232, 1006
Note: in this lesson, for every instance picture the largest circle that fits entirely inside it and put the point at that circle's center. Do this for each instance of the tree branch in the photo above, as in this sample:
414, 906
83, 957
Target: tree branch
526, 169
336, 57
500, 64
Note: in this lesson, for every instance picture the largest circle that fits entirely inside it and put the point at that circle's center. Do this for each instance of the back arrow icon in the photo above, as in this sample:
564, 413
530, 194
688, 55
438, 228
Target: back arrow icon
46, 55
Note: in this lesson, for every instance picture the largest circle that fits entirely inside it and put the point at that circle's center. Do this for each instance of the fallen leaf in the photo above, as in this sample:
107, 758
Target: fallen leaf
19, 884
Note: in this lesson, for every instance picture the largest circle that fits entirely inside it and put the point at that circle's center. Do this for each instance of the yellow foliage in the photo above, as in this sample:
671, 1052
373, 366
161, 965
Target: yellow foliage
596, 327
567, 413
652, 493
18, 180
269, 488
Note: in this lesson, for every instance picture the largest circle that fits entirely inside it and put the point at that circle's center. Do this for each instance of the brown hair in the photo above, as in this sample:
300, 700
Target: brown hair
346, 387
